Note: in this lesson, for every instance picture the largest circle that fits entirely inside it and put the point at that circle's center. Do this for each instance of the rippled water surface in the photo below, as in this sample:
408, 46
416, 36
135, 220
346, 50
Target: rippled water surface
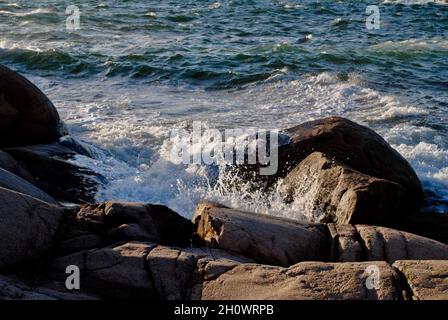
137, 69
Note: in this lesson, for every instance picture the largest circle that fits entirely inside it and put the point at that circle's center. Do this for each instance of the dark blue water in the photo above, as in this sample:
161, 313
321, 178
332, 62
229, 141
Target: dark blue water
136, 69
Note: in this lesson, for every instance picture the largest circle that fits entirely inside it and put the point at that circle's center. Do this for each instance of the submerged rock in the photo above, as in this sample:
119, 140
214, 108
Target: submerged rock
27, 116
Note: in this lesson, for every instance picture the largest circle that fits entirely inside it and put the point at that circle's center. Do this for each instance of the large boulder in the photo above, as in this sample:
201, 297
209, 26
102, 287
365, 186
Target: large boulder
348, 143
265, 239
103, 224
427, 279
10, 181
27, 116
329, 191
27, 228
356, 146
306, 281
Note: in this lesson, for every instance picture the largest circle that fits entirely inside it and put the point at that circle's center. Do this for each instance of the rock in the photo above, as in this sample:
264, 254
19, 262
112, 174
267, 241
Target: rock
427, 279
345, 246
15, 183
265, 239
9, 164
52, 172
175, 271
26, 115
111, 272
106, 223
428, 224
305, 281
145, 270
348, 143
357, 147
27, 227
332, 192
12, 289
362, 242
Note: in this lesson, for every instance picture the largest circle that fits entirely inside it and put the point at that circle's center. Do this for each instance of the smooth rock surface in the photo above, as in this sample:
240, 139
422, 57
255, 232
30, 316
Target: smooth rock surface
265, 239
27, 227
27, 116
353, 145
10, 181
332, 192
52, 172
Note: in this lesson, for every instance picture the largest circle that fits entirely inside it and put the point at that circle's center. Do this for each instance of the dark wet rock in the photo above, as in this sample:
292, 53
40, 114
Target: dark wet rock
304, 281
265, 239
27, 228
333, 192
52, 172
9, 164
10, 181
27, 116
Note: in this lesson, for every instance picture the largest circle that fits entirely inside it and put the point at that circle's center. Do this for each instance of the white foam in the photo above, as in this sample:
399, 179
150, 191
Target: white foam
131, 125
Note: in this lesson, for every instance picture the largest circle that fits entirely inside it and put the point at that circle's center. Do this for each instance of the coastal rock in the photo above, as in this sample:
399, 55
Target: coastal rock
52, 172
304, 281
26, 115
111, 272
13, 289
355, 146
9, 164
333, 192
427, 279
178, 273
345, 246
428, 224
265, 239
105, 223
370, 243
27, 227
10, 181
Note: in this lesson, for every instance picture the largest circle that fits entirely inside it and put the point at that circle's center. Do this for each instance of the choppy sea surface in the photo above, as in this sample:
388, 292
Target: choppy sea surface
136, 70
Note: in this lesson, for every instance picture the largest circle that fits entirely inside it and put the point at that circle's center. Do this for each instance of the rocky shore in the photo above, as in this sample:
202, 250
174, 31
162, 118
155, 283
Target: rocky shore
368, 238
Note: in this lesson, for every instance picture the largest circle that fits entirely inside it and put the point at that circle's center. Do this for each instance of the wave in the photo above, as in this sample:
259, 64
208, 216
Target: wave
131, 128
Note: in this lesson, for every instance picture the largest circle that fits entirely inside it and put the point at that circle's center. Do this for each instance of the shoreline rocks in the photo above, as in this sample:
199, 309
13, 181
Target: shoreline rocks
123, 250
